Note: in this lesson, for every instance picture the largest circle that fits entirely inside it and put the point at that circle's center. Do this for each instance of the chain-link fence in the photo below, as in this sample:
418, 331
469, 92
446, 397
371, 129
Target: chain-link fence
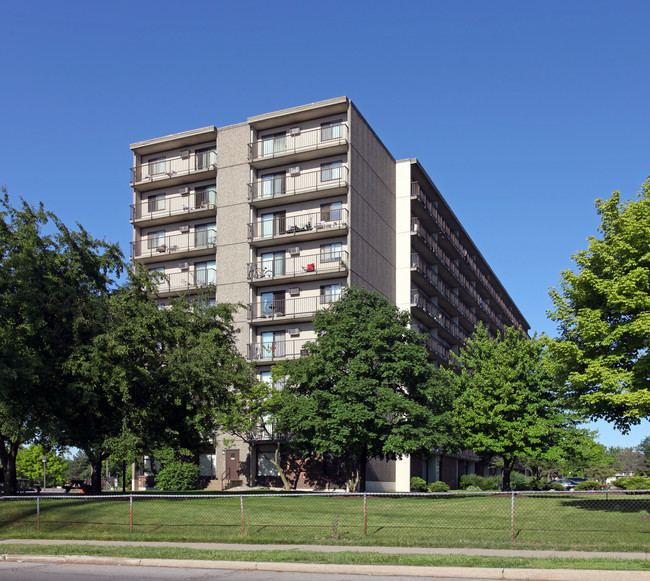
587, 520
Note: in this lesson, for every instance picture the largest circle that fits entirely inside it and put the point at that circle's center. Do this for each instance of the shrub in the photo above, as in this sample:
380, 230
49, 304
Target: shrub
633, 483
555, 486
475, 480
519, 482
588, 485
473, 489
418, 484
439, 486
176, 476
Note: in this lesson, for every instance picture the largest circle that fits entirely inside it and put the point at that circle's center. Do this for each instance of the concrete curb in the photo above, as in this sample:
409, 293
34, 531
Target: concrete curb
386, 570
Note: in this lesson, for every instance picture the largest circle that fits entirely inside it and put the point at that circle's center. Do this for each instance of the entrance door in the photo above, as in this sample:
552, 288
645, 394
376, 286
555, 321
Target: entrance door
232, 464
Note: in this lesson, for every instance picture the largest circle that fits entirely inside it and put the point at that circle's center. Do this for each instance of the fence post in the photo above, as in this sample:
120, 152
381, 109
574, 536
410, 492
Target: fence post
365, 515
512, 517
131, 513
243, 520
38, 514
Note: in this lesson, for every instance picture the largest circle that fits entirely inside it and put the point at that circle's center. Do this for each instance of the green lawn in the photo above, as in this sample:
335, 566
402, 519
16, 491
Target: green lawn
616, 522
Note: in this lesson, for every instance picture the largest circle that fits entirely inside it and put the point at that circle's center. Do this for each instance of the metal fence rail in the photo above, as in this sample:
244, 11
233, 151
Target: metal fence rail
608, 521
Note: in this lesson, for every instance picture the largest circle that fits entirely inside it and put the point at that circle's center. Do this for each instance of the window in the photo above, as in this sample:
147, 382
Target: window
330, 212
205, 197
274, 144
330, 171
330, 293
265, 466
156, 203
273, 185
272, 224
205, 272
155, 239
205, 158
272, 304
157, 165
330, 130
272, 345
272, 264
205, 235
330, 252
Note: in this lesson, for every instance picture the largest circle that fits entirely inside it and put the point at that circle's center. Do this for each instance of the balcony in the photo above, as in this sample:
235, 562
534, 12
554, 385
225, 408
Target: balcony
435, 315
299, 310
265, 352
309, 226
158, 248
186, 281
298, 145
168, 171
315, 266
299, 186
171, 209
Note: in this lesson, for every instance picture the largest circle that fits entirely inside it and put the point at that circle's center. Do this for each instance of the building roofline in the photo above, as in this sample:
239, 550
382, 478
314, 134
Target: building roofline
191, 137
415, 161
295, 114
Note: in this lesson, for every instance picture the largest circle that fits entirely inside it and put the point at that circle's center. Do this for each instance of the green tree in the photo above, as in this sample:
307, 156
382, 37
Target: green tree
603, 313
78, 467
507, 403
365, 389
50, 279
644, 448
29, 464
152, 378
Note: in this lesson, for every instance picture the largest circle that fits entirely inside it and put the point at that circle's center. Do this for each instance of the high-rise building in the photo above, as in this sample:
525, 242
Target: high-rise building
283, 211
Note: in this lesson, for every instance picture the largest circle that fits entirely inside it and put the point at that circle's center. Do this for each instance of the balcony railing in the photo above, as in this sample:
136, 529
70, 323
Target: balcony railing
170, 206
438, 315
282, 226
432, 277
276, 350
164, 168
418, 193
292, 142
160, 246
327, 261
285, 185
284, 309
432, 244
187, 280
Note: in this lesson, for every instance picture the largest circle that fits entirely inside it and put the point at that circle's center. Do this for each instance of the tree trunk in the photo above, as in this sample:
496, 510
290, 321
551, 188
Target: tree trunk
276, 463
507, 470
363, 461
8, 454
96, 476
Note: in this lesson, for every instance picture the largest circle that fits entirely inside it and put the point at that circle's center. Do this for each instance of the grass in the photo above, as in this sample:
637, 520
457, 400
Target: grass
615, 522
343, 558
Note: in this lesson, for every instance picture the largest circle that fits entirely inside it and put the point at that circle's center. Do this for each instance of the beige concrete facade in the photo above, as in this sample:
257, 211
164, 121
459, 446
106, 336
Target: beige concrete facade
278, 214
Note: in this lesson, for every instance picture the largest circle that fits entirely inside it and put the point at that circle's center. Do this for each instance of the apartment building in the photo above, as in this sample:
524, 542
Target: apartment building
283, 211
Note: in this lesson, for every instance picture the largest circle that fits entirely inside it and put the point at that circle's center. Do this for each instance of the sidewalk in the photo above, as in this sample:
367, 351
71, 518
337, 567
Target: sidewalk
413, 571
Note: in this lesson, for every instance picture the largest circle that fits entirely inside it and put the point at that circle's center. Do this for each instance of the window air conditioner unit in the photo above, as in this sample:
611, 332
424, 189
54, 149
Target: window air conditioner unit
183, 265
294, 291
294, 250
184, 190
294, 332
294, 131
185, 153
294, 171
184, 228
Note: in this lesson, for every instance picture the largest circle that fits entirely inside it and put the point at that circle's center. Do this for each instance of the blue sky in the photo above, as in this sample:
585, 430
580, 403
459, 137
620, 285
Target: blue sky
522, 112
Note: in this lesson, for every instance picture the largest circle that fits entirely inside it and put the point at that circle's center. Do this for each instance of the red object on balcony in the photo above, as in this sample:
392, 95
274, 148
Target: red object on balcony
309, 268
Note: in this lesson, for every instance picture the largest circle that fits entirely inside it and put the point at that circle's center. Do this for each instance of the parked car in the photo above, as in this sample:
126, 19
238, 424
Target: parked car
570, 483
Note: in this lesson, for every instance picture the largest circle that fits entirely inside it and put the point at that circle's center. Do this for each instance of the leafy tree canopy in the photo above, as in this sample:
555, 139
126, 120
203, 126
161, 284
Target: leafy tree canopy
50, 279
365, 389
507, 403
603, 313
29, 464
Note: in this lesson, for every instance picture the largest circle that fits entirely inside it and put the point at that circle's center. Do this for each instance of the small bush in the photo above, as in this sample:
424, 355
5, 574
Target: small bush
176, 476
479, 481
439, 486
633, 483
519, 482
418, 484
555, 486
588, 485
473, 489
